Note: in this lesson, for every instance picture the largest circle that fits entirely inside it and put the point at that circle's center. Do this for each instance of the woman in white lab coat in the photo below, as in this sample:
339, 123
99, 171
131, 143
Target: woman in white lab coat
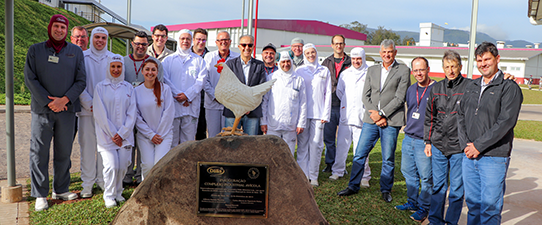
318, 89
155, 112
114, 116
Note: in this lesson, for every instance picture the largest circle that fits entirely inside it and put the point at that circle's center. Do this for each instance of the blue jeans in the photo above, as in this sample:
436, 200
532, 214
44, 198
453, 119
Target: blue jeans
370, 133
416, 168
330, 134
250, 125
444, 168
484, 179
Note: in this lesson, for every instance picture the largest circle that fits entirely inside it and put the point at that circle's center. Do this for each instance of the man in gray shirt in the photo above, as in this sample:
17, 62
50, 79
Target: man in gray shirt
55, 75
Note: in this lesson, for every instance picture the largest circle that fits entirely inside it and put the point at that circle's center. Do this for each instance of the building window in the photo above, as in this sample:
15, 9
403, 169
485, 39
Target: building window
503, 68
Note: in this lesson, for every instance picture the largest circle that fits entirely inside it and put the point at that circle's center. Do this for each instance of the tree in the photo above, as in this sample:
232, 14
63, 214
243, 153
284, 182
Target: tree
377, 36
356, 26
408, 41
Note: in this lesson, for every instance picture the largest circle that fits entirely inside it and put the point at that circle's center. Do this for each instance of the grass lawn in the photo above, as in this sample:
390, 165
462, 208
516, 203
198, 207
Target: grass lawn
531, 96
366, 207
528, 129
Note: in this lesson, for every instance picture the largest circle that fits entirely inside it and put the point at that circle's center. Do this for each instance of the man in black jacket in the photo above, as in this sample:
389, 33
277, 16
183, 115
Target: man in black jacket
251, 72
441, 141
336, 63
488, 114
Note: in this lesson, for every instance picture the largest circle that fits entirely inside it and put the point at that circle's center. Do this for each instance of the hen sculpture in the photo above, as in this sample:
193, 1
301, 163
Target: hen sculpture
236, 96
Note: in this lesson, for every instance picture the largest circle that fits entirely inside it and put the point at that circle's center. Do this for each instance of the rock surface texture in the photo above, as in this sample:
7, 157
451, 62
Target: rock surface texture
168, 194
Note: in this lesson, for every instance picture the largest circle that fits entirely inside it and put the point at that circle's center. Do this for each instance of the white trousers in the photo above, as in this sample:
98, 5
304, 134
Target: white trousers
309, 148
184, 129
91, 160
215, 121
152, 153
345, 136
116, 163
290, 137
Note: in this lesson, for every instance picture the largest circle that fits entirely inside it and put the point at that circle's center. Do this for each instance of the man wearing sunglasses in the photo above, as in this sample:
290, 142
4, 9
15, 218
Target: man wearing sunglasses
251, 72
158, 48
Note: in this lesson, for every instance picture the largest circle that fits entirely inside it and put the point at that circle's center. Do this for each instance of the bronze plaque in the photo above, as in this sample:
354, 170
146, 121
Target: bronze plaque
232, 189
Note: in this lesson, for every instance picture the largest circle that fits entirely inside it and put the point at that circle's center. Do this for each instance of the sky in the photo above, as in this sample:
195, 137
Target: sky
501, 19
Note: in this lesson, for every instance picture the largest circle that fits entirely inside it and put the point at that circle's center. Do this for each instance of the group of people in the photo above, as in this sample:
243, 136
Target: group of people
137, 107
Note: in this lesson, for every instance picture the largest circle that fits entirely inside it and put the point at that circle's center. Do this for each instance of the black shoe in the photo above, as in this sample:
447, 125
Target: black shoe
347, 192
328, 168
126, 184
387, 197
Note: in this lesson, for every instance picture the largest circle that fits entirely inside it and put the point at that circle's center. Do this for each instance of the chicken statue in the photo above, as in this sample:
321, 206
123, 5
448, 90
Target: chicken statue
236, 96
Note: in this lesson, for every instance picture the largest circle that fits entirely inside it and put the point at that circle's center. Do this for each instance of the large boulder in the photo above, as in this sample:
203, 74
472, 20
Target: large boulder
168, 193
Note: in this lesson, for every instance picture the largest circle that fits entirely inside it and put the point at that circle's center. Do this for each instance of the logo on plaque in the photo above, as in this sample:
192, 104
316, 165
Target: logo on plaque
215, 171
253, 173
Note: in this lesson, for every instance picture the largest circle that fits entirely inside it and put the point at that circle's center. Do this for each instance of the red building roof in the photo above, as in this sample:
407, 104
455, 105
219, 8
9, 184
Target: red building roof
300, 26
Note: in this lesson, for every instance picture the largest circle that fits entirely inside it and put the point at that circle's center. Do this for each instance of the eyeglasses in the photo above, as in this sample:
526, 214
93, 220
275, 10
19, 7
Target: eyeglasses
200, 40
419, 70
185, 39
79, 36
244, 45
142, 44
160, 35
338, 43
297, 46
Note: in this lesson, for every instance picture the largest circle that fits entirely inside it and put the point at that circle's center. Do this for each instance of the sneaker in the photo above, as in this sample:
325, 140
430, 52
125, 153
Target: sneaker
420, 215
407, 206
365, 183
120, 198
41, 204
86, 193
314, 183
334, 177
66, 196
110, 203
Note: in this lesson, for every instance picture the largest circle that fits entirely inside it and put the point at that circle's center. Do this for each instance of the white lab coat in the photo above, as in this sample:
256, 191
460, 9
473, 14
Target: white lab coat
96, 68
318, 90
114, 112
185, 75
285, 108
151, 118
350, 92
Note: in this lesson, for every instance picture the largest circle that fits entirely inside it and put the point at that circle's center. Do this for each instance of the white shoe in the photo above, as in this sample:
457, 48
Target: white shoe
86, 193
365, 183
314, 183
65, 196
334, 177
110, 203
120, 198
41, 204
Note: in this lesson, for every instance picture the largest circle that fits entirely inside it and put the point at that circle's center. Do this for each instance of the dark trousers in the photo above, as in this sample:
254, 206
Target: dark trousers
45, 126
330, 134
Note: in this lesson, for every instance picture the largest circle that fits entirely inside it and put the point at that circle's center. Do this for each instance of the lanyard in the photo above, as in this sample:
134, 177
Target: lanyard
419, 99
338, 67
140, 66
265, 67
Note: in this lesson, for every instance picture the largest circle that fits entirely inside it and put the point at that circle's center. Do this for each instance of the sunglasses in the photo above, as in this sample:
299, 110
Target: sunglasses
245, 45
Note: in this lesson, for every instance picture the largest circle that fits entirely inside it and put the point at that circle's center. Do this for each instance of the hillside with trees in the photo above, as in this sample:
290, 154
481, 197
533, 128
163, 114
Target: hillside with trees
30, 26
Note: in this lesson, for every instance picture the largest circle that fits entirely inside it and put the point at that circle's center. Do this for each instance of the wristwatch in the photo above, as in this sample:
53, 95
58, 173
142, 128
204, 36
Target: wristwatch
380, 113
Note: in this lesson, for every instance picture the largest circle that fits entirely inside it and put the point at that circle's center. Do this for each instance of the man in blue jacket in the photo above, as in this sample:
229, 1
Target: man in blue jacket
488, 114
55, 74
